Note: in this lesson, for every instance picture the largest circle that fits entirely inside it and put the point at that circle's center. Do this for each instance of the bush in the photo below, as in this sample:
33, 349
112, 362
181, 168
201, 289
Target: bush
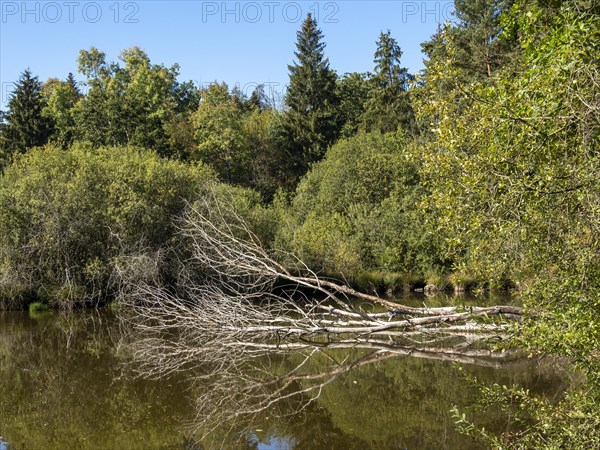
66, 215
37, 307
357, 210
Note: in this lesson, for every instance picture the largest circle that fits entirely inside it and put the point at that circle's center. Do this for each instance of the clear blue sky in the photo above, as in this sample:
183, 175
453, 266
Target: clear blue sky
245, 43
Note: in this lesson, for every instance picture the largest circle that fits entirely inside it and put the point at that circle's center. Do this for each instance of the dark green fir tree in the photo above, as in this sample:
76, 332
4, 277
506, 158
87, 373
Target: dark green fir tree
388, 106
311, 122
24, 126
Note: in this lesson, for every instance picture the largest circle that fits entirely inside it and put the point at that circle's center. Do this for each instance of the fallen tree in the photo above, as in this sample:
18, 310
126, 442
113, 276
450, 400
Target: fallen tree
248, 294
248, 290
222, 241
250, 304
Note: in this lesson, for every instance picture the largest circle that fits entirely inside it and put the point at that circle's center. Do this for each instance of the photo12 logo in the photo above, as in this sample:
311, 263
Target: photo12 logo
69, 12
7, 87
269, 12
427, 11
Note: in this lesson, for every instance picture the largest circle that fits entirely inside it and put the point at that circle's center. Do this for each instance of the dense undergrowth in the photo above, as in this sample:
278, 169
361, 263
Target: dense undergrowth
484, 174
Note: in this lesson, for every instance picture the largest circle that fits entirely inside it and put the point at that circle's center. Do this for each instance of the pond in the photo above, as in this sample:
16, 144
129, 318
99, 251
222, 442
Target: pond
67, 382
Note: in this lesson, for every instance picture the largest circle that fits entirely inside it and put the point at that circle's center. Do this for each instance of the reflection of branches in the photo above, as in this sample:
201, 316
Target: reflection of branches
238, 381
248, 307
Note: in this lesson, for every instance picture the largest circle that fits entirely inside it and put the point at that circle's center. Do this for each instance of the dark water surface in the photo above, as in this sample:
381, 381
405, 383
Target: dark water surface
65, 383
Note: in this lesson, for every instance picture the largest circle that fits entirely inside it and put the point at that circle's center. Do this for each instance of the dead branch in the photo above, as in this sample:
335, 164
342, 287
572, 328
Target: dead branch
228, 324
223, 242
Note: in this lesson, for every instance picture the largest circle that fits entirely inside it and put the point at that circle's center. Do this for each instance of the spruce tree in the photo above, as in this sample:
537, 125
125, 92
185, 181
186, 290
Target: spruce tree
473, 42
258, 99
72, 84
311, 122
24, 124
388, 106
479, 51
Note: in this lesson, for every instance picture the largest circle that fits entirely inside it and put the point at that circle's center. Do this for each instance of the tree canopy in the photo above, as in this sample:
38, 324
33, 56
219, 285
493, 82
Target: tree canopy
24, 125
480, 171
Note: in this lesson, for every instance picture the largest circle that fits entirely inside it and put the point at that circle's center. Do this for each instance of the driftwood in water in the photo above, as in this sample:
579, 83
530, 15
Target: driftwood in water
237, 303
240, 315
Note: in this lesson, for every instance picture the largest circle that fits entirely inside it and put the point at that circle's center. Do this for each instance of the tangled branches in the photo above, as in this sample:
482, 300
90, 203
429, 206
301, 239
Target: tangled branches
248, 307
246, 291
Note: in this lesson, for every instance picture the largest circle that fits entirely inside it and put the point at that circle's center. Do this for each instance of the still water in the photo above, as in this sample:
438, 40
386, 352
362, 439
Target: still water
67, 383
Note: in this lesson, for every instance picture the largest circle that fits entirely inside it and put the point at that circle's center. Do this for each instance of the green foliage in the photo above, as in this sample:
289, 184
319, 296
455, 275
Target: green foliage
129, 104
310, 122
516, 176
268, 166
61, 99
248, 204
353, 92
480, 48
235, 137
37, 307
514, 173
536, 421
388, 106
24, 125
219, 134
356, 210
65, 215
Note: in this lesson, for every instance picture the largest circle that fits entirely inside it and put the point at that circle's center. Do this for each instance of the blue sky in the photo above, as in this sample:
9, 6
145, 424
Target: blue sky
245, 43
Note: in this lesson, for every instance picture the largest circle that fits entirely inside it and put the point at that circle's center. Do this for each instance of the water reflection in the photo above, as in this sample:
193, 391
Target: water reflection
66, 381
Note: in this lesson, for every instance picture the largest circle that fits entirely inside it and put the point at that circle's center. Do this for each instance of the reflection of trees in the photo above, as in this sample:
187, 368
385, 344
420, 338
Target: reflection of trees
60, 388
379, 392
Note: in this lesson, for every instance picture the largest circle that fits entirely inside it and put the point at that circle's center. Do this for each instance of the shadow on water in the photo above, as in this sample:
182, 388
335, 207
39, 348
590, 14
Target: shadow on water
66, 381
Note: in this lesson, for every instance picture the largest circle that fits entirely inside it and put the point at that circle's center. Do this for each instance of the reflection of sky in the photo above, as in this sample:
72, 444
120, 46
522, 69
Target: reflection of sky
3, 445
274, 444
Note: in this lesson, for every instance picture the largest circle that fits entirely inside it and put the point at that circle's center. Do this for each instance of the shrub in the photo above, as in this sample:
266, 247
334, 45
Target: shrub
65, 215
37, 307
358, 210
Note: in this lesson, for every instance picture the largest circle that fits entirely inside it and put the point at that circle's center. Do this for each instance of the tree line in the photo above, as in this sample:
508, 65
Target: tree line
482, 171
134, 102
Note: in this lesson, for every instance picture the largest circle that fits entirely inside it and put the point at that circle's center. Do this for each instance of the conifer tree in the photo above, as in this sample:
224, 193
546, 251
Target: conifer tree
311, 122
480, 52
477, 50
258, 99
388, 106
24, 124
